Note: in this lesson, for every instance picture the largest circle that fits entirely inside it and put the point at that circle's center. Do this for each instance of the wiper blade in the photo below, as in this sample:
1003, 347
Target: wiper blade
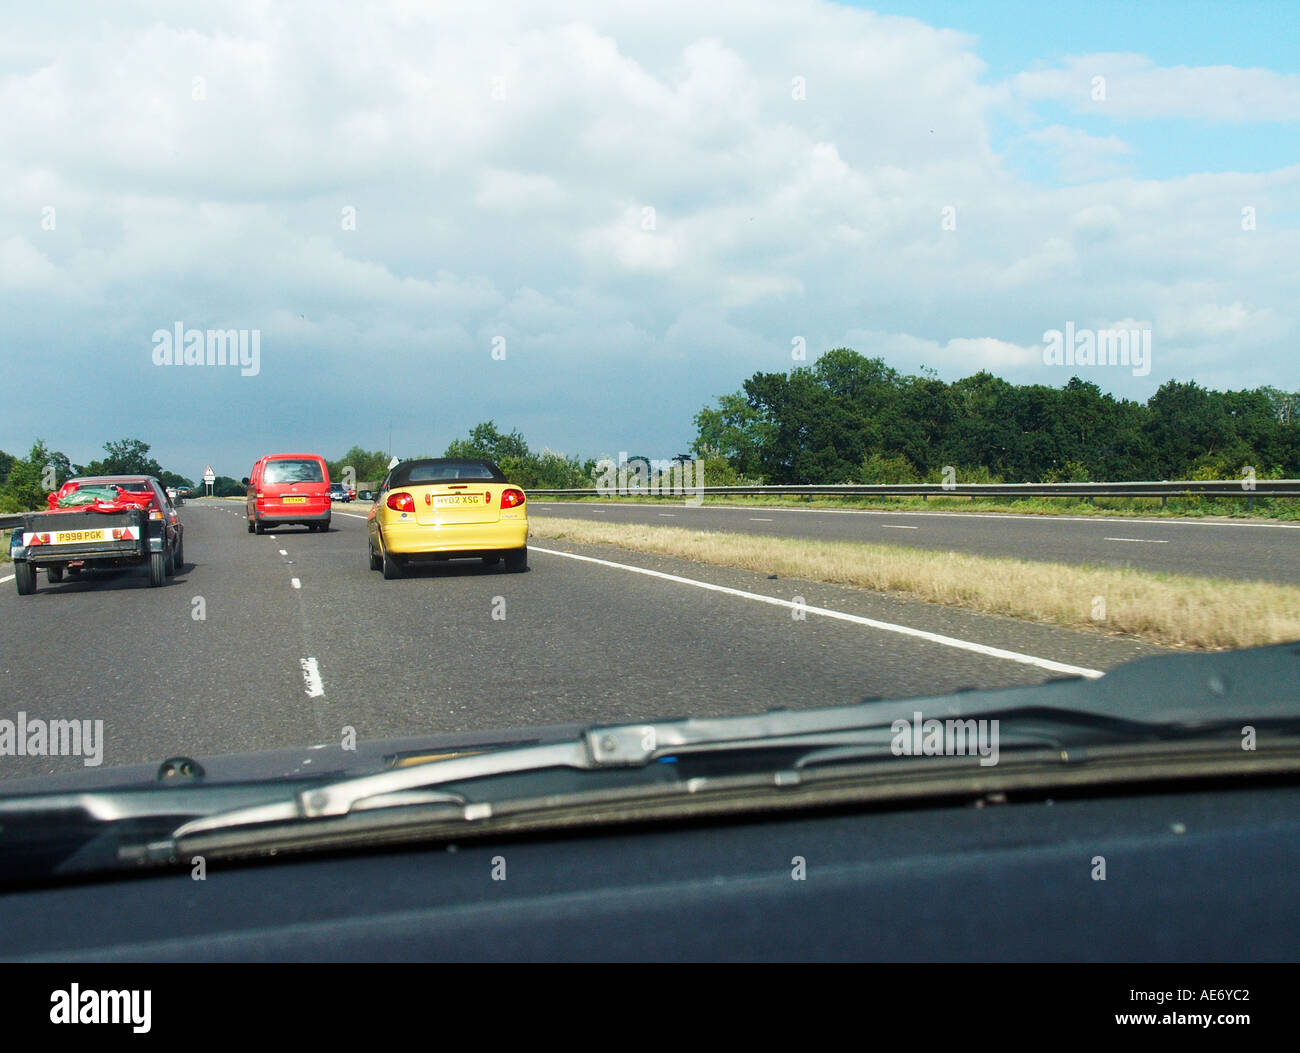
1185, 696
397, 788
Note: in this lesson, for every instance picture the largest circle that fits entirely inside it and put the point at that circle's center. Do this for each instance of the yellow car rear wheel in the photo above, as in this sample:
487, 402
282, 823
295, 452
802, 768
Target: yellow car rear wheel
391, 568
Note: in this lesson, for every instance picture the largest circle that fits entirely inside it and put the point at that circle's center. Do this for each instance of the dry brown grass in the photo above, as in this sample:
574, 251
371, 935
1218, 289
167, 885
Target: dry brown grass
1166, 609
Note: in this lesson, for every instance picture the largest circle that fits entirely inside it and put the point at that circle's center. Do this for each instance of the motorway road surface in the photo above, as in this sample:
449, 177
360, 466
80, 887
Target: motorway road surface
1252, 550
289, 639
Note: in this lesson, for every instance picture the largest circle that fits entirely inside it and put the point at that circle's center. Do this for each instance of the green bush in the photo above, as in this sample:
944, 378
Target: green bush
877, 469
24, 487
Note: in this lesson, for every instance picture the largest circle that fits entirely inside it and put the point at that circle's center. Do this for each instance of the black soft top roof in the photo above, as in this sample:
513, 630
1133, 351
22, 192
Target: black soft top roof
445, 469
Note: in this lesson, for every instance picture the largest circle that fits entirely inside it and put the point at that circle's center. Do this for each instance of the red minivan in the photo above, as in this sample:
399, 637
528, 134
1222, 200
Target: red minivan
288, 488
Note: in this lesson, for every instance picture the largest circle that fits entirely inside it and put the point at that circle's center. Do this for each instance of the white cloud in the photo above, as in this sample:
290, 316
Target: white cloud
960, 356
501, 158
1078, 156
1134, 86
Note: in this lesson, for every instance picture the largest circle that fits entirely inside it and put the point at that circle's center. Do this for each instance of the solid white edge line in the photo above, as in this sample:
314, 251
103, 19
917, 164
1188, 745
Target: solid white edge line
311, 677
9, 578
856, 619
1144, 540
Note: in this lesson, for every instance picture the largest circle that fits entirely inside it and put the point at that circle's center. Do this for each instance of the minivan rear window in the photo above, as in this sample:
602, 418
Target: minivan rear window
293, 471
445, 470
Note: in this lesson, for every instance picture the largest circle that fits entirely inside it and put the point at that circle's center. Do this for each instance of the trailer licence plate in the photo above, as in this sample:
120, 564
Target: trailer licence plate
76, 537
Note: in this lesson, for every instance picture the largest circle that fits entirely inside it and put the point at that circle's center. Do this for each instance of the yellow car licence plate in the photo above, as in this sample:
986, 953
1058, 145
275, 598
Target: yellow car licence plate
459, 499
295, 501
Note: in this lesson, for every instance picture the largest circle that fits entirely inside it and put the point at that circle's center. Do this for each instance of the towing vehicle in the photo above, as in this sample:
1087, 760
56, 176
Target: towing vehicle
99, 522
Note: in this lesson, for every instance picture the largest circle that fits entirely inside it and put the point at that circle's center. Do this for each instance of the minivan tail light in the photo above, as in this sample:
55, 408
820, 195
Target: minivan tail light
401, 502
512, 498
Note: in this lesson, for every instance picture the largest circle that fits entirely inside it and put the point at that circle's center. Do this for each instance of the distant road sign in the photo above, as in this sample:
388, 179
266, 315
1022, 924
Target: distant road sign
209, 476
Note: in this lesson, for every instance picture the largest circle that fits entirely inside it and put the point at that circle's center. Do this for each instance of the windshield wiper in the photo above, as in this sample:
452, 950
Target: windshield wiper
1161, 700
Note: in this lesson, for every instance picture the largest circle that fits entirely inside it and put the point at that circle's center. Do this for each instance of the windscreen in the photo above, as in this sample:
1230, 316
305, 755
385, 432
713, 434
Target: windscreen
293, 471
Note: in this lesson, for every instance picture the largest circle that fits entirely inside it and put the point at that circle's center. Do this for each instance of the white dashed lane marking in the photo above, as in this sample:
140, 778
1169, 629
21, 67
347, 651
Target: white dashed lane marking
311, 677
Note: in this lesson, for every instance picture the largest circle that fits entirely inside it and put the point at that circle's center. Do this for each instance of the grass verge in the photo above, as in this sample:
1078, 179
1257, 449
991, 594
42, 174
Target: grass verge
1165, 609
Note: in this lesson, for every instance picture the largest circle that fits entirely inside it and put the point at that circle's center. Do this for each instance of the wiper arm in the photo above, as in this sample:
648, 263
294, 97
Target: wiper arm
601, 747
1148, 700
395, 788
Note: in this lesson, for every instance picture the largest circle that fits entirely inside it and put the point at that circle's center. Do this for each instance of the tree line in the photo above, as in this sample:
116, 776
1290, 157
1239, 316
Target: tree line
24, 481
523, 466
852, 419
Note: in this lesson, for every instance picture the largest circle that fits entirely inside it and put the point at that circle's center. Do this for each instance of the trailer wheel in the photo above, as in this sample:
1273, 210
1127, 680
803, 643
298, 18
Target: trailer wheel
157, 569
54, 573
25, 578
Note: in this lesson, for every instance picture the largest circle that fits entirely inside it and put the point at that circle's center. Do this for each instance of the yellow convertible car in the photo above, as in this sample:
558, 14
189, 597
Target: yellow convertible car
447, 508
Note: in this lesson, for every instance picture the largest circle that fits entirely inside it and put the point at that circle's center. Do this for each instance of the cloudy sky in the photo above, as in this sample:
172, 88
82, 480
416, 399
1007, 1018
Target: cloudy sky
587, 220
